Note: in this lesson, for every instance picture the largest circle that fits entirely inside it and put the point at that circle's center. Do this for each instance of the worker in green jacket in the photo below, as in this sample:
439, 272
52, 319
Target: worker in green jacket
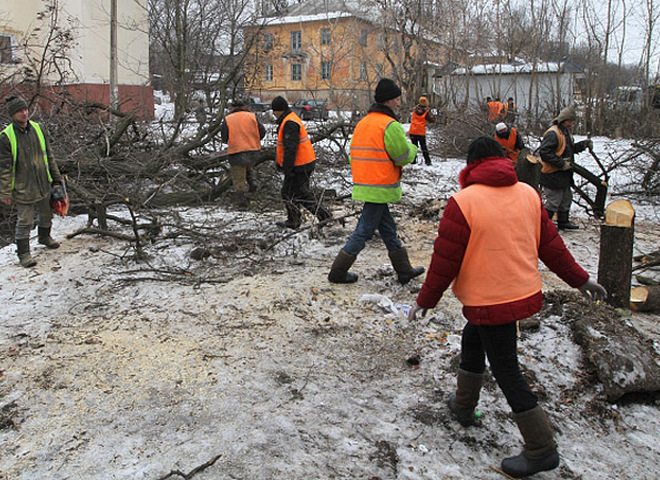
28, 172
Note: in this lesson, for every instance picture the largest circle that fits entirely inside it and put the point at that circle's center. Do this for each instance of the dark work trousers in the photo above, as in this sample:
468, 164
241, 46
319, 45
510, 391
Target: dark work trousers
500, 344
420, 141
296, 193
374, 216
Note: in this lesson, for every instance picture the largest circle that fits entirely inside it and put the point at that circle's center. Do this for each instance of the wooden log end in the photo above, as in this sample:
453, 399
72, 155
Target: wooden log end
620, 213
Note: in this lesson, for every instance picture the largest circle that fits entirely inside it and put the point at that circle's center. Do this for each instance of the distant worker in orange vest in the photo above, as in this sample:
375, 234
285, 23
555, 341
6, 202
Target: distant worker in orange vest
510, 112
379, 150
417, 132
491, 237
296, 158
495, 109
242, 131
511, 142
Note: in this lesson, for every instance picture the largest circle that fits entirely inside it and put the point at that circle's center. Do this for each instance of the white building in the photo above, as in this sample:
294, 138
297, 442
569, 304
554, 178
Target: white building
539, 89
83, 68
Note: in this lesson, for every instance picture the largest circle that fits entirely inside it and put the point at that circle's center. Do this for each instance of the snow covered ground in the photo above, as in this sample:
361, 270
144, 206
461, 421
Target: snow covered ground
277, 374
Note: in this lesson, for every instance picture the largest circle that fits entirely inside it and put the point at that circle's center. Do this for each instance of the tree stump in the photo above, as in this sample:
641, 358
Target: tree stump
645, 299
616, 252
528, 169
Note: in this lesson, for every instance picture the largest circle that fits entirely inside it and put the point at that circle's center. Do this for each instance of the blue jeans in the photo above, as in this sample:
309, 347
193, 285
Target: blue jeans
500, 344
374, 216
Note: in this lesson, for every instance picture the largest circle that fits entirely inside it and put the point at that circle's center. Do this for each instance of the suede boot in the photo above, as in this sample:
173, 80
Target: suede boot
563, 223
46, 239
401, 264
463, 402
339, 271
540, 450
23, 251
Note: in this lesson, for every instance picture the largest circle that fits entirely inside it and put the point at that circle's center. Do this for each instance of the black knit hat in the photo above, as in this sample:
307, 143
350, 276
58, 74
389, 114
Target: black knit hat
484, 147
386, 90
279, 104
15, 104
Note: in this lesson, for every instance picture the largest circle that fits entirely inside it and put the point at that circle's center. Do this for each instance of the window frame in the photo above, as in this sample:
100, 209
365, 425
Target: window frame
269, 41
296, 71
268, 72
296, 40
326, 70
325, 36
10, 57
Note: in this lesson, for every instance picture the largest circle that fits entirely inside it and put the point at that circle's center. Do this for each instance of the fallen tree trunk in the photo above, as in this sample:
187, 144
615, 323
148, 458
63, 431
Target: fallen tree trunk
645, 299
624, 360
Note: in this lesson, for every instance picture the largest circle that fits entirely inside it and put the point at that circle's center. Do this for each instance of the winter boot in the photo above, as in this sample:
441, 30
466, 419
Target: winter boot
23, 251
251, 180
540, 450
401, 264
563, 223
293, 217
339, 271
323, 214
46, 239
463, 402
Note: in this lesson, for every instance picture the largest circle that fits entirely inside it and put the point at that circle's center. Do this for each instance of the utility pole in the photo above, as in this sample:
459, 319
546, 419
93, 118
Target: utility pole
114, 89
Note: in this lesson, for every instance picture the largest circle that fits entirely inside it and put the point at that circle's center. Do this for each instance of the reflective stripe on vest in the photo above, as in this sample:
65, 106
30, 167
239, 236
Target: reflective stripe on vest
243, 132
559, 151
509, 144
418, 123
370, 163
500, 264
304, 153
11, 135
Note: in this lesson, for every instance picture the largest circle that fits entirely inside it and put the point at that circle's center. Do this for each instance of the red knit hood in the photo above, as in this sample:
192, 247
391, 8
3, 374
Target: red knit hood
493, 171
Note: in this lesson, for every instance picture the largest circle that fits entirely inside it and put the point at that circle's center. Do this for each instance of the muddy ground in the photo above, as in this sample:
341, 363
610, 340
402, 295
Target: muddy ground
112, 370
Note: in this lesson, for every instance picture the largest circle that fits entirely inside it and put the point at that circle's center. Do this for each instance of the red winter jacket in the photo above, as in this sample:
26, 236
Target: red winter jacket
454, 235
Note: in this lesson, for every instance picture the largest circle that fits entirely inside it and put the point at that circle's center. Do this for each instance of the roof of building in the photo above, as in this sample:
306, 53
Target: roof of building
312, 10
518, 67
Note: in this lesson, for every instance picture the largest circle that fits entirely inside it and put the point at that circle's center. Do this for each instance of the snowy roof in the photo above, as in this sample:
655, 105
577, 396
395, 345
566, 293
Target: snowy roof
315, 10
518, 68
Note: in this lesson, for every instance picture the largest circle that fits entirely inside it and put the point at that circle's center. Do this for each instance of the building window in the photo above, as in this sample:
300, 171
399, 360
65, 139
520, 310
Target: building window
381, 42
296, 41
325, 70
296, 72
363, 71
6, 50
363, 37
269, 41
325, 36
268, 70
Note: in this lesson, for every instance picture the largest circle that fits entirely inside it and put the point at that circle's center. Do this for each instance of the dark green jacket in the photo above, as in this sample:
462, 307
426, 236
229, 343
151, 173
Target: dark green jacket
31, 182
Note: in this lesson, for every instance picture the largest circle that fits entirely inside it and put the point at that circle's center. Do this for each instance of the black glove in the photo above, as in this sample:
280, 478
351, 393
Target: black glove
593, 291
57, 194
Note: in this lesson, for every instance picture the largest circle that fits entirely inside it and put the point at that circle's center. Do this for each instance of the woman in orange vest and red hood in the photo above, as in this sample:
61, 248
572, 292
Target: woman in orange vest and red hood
492, 260
379, 150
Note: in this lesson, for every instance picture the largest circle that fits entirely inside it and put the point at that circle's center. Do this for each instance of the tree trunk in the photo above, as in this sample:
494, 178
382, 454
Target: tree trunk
616, 252
645, 299
528, 169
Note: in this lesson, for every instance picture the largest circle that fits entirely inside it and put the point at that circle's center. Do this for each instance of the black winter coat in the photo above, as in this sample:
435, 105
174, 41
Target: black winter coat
563, 178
